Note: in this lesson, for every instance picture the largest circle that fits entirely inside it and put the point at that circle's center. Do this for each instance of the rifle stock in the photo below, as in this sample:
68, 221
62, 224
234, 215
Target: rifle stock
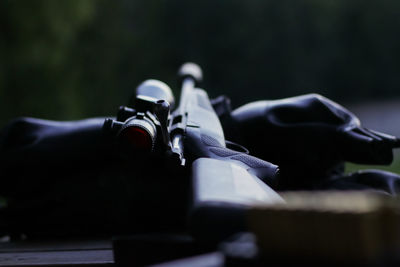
222, 194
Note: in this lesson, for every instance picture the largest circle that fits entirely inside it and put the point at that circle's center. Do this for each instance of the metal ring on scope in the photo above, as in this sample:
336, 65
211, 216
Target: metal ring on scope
139, 134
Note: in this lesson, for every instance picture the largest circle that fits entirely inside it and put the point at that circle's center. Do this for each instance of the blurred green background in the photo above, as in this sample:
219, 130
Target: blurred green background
70, 59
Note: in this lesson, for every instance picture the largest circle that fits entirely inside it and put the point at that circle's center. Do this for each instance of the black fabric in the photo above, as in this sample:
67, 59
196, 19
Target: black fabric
373, 180
65, 178
309, 137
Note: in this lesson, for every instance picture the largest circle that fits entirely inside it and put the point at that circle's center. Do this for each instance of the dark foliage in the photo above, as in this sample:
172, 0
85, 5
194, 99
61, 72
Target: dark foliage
71, 59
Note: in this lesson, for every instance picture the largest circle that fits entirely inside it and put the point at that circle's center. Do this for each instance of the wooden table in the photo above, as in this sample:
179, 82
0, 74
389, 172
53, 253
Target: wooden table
57, 253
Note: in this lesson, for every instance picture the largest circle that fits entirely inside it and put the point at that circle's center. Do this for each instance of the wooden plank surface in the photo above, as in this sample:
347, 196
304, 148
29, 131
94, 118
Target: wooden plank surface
57, 253
52, 245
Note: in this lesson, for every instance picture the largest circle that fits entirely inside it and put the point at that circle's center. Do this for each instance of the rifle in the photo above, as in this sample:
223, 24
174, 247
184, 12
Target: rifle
225, 182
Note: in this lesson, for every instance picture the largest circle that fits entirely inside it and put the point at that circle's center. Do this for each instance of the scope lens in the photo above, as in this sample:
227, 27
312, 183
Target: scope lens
136, 138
